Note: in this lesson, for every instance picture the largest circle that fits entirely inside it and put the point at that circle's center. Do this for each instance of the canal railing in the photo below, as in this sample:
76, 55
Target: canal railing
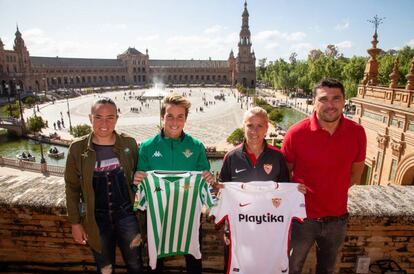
32, 166
59, 170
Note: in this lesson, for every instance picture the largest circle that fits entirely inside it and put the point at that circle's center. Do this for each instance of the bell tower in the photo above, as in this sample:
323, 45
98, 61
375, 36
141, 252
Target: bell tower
22, 52
246, 60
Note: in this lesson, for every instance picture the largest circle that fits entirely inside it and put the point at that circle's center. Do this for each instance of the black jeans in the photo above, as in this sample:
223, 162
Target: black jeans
119, 228
117, 223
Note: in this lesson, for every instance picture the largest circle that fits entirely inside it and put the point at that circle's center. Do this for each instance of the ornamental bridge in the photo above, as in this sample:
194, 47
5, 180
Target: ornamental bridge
12, 124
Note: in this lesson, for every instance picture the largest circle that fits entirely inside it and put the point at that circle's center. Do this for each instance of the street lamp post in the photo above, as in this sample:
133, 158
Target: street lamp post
8, 99
45, 85
42, 157
70, 122
34, 104
20, 106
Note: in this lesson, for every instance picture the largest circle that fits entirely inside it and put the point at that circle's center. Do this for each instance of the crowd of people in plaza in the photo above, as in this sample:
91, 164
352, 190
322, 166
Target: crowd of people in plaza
120, 195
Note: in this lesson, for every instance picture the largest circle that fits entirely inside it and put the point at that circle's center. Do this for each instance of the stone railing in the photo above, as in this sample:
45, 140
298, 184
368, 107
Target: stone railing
32, 166
35, 235
398, 97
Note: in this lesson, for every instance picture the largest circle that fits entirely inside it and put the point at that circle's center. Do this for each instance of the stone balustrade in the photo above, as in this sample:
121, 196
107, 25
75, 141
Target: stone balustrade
34, 233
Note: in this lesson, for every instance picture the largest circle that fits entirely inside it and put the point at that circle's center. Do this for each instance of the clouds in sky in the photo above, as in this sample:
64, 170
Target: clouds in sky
343, 25
344, 45
40, 44
215, 42
282, 42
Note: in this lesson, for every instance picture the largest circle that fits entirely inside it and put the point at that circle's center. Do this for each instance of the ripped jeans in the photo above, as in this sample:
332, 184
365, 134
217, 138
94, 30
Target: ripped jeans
117, 223
122, 229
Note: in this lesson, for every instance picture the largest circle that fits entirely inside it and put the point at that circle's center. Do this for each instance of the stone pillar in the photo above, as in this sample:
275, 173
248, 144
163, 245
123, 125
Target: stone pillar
410, 77
371, 69
395, 74
43, 167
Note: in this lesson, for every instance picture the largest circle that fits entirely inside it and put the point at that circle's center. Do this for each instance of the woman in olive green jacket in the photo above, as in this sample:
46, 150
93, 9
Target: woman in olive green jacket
98, 178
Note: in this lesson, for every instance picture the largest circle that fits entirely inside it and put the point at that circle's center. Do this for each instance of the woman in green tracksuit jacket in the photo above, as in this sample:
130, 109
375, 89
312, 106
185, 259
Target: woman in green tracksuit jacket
174, 150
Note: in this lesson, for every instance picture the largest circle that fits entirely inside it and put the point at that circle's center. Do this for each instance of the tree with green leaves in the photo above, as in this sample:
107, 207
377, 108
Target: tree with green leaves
236, 137
81, 130
35, 124
276, 116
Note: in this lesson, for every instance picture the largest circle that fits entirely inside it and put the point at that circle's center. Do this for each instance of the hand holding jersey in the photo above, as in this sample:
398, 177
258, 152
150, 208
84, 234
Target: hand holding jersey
259, 215
174, 202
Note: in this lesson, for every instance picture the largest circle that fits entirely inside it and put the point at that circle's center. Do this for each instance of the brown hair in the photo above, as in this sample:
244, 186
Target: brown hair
175, 99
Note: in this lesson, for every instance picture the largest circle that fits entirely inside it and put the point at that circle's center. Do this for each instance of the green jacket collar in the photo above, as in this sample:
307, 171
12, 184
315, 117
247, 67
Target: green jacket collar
182, 136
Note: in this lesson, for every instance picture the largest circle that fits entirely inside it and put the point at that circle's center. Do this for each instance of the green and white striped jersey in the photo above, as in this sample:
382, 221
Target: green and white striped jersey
173, 201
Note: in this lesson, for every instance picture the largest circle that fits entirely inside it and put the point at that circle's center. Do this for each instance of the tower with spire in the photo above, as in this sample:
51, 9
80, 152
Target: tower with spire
245, 62
22, 52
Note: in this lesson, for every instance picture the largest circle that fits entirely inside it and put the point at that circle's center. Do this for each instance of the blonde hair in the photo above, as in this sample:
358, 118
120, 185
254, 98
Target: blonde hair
175, 99
255, 111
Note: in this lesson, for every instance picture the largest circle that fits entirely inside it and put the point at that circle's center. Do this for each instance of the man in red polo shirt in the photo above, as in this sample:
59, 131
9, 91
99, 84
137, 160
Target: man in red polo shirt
326, 153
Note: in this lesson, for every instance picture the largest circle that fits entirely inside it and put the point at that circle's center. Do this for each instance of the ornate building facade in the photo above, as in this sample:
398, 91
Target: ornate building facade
387, 114
20, 71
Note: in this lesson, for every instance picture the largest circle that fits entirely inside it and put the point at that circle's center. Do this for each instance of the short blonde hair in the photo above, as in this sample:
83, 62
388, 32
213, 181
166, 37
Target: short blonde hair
175, 99
255, 111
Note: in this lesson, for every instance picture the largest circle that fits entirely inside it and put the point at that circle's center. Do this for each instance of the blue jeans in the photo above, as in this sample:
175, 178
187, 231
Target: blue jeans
120, 227
328, 236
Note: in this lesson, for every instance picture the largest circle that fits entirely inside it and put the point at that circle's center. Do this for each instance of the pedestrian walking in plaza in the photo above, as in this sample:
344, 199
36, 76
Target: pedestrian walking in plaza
174, 150
99, 172
326, 153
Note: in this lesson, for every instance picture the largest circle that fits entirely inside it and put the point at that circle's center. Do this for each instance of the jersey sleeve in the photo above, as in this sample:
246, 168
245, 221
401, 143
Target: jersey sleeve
205, 194
140, 197
219, 210
298, 204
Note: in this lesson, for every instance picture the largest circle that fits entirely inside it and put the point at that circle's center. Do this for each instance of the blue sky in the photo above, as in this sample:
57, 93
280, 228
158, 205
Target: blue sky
185, 29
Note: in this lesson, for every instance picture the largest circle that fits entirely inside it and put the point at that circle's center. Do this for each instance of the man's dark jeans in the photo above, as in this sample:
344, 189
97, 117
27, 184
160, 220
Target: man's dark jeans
328, 236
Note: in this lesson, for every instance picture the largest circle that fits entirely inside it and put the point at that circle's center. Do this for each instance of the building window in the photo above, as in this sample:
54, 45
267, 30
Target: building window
378, 166
393, 167
373, 115
410, 126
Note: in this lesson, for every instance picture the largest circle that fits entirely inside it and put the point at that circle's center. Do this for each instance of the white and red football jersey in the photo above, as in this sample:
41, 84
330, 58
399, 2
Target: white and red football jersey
259, 215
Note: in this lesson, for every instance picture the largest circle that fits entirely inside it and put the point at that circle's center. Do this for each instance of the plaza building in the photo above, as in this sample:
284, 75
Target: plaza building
387, 114
20, 71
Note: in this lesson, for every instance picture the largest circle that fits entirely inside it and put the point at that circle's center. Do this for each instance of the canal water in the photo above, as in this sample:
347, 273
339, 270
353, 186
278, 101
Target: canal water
10, 146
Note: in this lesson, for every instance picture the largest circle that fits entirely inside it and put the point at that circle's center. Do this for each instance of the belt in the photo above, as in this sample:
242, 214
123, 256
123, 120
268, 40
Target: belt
327, 219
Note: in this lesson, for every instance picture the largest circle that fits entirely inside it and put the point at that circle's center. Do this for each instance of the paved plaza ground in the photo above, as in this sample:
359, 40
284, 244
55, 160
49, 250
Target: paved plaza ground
212, 125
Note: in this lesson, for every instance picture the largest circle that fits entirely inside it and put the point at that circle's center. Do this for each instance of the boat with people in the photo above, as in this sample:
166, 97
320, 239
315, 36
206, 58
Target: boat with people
55, 153
26, 157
